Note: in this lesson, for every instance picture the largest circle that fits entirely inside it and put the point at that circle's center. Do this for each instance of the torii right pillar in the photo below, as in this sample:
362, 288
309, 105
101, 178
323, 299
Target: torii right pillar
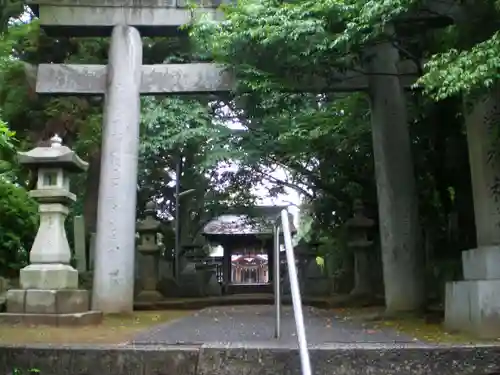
473, 305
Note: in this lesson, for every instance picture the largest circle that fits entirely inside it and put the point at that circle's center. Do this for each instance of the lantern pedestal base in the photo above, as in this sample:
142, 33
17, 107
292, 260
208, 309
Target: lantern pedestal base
48, 276
57, 320
50, 307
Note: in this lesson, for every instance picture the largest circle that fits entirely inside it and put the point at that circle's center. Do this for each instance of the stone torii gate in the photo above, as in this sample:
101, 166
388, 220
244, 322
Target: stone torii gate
124, 79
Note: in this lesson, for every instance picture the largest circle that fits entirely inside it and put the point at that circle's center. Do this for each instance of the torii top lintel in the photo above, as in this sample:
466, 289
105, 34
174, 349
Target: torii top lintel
163, 17
97, 17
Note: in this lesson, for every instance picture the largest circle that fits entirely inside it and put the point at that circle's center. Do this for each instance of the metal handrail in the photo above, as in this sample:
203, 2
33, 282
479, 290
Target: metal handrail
305, 361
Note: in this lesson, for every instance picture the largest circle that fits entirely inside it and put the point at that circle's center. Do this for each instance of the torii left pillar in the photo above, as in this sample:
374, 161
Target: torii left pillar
113, 290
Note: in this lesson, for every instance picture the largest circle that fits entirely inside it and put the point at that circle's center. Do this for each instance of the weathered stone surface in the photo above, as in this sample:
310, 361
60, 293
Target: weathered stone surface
213, 286
51, 244
113, 290
100, 20
480, 118
102, 360
179, 78
149, 296
92, 251
359, 227
57, 157
48, 285
80, 251
473, 307
95, 18
345, 359
149, 253
40, 302
482, 263
36, 301
132, 3
15, 300
260, 359
168, 286
72, 301
395, 178
48, 276
156, 79
161, 17
185, 79
76, 319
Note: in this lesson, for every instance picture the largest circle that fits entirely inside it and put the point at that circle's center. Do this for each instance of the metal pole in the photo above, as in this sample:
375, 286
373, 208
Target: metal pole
296, 299
177, 219
277, 281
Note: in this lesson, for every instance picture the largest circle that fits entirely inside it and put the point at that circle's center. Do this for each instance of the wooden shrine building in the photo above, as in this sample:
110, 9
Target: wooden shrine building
247, 240
249, 269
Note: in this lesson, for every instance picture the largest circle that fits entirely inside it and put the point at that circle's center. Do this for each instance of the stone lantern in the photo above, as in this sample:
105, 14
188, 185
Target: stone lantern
49, 291
359, 226
150, 250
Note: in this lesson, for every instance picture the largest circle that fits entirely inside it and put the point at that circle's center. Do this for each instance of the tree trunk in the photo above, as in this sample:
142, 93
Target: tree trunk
394, 171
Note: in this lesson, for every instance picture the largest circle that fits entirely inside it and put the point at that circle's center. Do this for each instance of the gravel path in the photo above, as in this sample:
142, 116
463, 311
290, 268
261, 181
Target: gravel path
231, 324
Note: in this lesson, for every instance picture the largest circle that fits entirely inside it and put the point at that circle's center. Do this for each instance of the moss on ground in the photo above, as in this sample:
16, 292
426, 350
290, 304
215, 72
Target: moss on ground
413, 326
115, 329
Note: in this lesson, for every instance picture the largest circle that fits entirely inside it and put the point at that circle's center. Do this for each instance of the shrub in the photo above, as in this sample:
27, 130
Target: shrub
18, 226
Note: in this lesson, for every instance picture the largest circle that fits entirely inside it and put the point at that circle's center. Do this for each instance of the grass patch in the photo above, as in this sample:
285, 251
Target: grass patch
115, 329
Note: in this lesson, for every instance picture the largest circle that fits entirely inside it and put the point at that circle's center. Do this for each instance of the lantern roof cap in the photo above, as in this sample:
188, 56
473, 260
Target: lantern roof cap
56, 156
150, 223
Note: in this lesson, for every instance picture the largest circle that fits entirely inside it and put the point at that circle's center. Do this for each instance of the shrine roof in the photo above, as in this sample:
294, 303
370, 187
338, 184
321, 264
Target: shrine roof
245, 260
261, 221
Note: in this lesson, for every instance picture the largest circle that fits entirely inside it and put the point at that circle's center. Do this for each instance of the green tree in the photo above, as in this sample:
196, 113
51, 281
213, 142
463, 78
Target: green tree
275, 48
18, 213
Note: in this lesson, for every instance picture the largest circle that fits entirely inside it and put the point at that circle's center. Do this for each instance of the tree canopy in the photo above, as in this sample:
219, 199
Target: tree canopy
321, 139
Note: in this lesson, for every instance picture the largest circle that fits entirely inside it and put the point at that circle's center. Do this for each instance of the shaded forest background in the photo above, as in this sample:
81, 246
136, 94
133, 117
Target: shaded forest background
323, 140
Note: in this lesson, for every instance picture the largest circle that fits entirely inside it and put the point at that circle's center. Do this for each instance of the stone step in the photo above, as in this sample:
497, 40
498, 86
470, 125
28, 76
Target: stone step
236, 359
249, 288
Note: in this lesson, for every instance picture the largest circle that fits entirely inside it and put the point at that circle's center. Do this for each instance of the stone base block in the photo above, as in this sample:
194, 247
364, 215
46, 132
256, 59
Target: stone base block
168, 287
481, 263
34, 301
473, 307
48, 276
316, 286
59, 320
213, 286
149, 296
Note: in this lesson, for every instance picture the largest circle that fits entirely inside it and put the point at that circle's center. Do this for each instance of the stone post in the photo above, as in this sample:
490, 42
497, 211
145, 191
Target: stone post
473, 305
358, 227
150, 251
113, 290
80, 248
394, 174
49, 291
92, 238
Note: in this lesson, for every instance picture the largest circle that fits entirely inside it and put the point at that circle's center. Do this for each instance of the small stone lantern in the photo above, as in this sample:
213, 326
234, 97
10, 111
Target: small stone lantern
150, 250
359, 226
49, 291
